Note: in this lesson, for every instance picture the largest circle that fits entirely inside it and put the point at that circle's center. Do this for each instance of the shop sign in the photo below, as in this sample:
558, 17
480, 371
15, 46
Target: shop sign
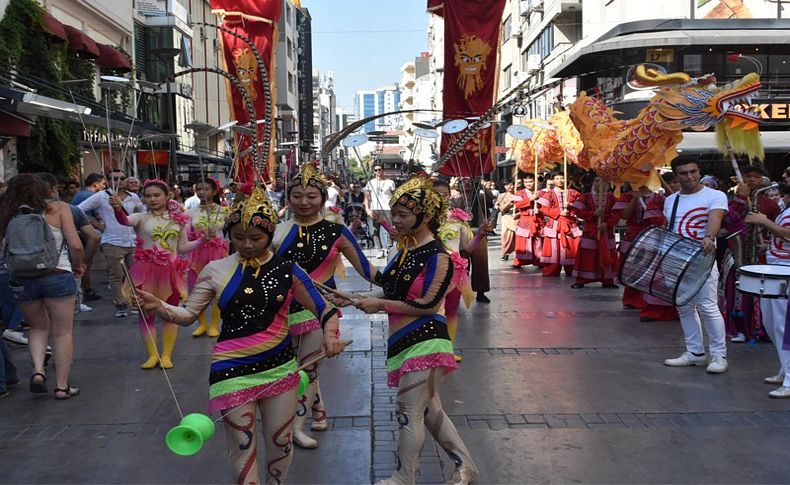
662, 55
777, 109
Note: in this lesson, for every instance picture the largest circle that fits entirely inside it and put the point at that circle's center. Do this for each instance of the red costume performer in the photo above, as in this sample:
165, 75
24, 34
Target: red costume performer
597, 256
648, 211
530, 226
561, 232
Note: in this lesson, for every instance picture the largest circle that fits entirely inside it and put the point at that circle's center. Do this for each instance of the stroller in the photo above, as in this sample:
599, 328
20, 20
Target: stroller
356, 221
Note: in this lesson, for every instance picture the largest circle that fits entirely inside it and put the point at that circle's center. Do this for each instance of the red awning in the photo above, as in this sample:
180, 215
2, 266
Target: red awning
11, 125
81, 43
112, 58
53, 26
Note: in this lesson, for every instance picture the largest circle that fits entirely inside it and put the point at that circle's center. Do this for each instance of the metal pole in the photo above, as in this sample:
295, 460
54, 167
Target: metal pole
171, 125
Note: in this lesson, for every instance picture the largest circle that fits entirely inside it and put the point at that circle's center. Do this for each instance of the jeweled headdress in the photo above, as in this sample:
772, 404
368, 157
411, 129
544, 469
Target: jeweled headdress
417, 194
256, 210
309, 175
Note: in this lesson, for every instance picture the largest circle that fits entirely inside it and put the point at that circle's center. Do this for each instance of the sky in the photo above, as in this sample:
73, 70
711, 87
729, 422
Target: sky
365, 42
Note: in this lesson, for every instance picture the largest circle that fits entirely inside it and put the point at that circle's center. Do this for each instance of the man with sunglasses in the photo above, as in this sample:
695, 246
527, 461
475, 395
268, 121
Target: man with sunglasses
377, 205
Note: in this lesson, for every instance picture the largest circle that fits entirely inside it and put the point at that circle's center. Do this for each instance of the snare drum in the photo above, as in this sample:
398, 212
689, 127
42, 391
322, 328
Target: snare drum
764, 280
666, 265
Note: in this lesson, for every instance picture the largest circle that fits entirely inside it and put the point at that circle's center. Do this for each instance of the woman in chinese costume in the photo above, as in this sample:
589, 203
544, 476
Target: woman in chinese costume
158, 269
419, 350
316, 245
253, 370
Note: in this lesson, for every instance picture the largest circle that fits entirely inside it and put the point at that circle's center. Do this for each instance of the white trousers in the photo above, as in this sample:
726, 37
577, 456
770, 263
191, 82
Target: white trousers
774, 311
705, 305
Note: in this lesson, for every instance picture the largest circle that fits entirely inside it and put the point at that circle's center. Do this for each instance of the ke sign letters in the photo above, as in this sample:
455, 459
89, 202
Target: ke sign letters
773, 111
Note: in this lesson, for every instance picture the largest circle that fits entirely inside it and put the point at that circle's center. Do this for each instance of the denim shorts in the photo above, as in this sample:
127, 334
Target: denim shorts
55, 285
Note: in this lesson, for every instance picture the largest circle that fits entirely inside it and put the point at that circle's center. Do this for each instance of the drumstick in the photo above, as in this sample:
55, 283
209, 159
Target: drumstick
321, 356
345, 296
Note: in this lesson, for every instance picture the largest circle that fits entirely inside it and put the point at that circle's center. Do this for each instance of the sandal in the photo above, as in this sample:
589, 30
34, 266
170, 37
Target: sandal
38, 387
576, 286
68, 393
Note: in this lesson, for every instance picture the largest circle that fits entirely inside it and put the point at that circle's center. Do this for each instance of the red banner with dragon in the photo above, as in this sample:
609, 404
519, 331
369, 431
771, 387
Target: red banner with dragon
257, 21
471, 44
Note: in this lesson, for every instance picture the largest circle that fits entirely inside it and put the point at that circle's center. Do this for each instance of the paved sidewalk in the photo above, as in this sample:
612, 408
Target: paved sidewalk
557, 385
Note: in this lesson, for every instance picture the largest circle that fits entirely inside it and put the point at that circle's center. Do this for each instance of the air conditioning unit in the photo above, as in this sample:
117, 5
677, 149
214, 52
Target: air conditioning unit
533, 63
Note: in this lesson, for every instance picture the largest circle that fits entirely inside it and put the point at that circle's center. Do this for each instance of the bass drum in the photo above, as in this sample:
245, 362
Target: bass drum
666, 265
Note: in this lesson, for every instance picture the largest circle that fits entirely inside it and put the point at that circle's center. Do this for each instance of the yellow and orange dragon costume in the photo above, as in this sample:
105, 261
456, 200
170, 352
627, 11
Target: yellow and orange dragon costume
630, 150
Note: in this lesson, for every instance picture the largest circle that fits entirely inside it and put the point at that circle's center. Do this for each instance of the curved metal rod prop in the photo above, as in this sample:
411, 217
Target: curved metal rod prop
247, 102
332, 140
488, 116
267, 87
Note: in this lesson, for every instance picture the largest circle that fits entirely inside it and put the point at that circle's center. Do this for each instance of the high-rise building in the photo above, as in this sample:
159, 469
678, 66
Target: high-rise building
287, 87
386, 99
305, 81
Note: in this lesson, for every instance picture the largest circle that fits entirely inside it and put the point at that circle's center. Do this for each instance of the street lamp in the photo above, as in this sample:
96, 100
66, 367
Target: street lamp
166, 55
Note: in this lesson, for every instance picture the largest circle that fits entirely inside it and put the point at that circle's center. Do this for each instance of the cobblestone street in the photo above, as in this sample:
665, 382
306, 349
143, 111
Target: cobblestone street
556, 386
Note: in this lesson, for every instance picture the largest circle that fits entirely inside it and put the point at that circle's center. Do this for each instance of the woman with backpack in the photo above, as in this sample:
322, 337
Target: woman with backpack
43, 253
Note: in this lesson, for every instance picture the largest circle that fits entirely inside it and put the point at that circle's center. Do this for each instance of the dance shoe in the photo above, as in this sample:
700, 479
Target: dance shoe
778, 379
166, 362
458, 358
482, 298
303, 441
150, 362
463, 475
200, 331
781, 393
321, 425
212, 332
686, 359
717, 365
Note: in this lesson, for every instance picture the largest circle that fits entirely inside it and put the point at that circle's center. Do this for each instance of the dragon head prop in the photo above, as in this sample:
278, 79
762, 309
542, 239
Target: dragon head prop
698, 103
630, 150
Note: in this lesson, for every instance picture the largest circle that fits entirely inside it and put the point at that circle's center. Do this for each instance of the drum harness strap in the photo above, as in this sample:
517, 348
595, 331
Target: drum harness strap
674, 213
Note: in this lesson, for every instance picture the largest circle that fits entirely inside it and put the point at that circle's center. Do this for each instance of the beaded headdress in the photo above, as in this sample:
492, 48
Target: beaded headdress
418, 195
256, 210
309, 175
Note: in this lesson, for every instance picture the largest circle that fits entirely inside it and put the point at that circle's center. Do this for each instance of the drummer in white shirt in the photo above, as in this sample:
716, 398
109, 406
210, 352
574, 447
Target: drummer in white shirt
698, 212
774, 310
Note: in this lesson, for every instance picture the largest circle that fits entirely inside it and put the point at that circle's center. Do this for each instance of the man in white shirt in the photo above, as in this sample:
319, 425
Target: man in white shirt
194, 200
378, 192
117, 241
696, 212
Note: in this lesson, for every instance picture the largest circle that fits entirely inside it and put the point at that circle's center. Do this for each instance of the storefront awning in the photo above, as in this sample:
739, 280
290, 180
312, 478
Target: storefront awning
112, 58
54, 27
704, 143
81, 43
12, 125
585, 59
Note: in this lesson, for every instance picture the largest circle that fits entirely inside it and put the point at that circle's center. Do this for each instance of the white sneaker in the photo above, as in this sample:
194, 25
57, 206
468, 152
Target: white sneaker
85, 308
738, 338
14, 336
686, 359
778, 379
781, 393
303, 441
718, 365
